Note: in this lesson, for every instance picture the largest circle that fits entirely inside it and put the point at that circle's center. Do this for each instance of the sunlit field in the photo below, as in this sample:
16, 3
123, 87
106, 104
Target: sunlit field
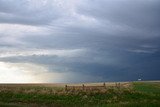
124, 94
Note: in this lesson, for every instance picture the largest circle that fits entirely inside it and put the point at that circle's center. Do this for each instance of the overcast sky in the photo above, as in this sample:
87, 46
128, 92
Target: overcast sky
79, 40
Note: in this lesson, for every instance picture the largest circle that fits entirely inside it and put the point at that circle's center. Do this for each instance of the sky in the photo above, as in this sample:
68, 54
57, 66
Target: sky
72, 41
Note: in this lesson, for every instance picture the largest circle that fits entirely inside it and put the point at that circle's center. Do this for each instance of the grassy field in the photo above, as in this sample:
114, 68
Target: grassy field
128, 94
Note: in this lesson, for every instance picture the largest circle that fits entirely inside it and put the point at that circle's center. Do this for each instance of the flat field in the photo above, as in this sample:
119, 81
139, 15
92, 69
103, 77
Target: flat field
123, 94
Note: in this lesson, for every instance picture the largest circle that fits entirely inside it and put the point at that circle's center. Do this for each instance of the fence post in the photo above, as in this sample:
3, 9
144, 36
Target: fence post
74, 88
65, 87
119, 85
83, 86
104, 84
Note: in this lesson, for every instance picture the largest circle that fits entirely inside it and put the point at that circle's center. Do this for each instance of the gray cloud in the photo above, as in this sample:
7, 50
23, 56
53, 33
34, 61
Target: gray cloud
135, 13
120, 39
29, 12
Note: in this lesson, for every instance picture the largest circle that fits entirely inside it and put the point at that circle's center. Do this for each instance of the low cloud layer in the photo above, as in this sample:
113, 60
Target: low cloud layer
79, 41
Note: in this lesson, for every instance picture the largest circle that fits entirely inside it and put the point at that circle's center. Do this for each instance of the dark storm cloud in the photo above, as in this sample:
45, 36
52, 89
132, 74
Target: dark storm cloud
120, 38
130, 67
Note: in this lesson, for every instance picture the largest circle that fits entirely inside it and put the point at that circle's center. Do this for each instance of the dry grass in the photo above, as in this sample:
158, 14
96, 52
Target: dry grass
60, 89
54, 88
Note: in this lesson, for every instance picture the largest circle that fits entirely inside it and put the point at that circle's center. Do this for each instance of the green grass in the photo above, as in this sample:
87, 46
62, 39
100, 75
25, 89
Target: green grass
147, 87
140, 94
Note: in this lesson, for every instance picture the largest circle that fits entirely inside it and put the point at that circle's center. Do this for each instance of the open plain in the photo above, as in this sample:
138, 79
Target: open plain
109, 94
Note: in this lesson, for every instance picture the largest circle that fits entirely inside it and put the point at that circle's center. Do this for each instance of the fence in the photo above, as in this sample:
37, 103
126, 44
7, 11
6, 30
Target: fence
87, 87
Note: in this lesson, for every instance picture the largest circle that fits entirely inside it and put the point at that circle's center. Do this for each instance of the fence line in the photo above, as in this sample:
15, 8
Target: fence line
91, 87
86, 87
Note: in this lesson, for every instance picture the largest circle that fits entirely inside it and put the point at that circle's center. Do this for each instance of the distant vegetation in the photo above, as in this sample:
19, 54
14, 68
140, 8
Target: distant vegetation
135, 94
